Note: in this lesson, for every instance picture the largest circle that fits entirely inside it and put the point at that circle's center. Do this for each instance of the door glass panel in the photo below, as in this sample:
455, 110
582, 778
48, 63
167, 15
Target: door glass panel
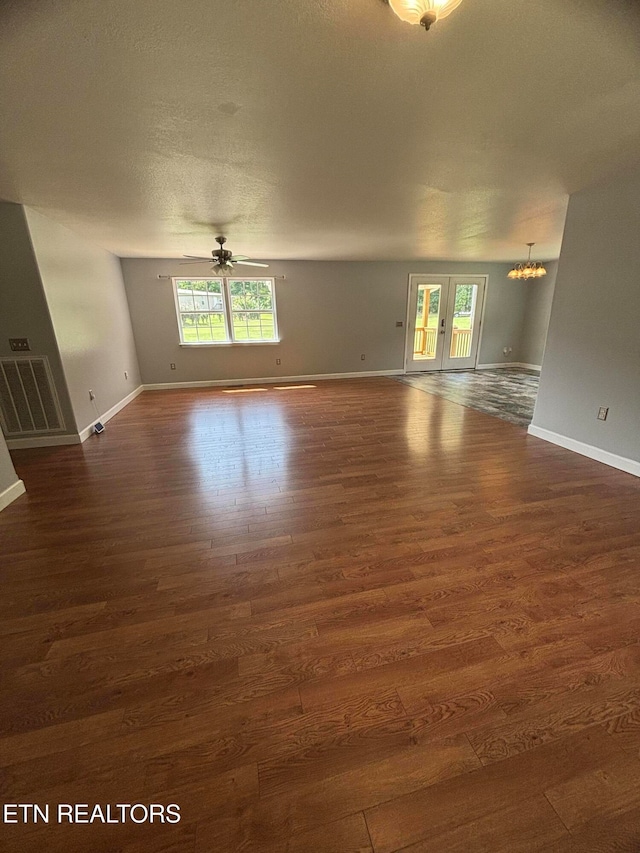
464, 319
427, 314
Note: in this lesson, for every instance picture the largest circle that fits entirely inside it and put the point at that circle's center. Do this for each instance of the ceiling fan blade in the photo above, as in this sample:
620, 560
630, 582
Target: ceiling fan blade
196, 257
251, 264
240, 258
203, 261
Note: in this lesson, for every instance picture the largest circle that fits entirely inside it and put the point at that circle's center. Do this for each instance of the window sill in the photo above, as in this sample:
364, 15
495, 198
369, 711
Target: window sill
231, 344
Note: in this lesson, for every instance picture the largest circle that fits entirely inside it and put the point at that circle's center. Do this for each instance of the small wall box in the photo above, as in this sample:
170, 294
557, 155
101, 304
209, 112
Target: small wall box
98, 428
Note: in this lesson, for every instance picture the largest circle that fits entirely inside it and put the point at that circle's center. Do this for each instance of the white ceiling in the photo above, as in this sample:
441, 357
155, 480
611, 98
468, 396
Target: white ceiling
315, 128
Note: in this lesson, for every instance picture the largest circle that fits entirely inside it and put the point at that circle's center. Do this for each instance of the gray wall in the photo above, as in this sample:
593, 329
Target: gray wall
592, 356
8, 476
23, 307
329, 313
536, 316
85, 294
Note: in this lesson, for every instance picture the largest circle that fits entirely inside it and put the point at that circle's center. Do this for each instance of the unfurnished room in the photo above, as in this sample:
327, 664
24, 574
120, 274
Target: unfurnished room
320, 426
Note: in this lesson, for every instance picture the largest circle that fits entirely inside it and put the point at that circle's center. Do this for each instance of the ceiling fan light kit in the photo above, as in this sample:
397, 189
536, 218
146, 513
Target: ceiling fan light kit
530, 269
423, 12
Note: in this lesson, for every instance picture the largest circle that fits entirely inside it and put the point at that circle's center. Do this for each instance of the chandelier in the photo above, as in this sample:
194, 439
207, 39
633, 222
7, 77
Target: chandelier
423, 12
531, 269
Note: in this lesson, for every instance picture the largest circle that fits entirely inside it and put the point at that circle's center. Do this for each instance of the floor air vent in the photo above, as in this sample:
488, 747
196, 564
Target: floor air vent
28, 400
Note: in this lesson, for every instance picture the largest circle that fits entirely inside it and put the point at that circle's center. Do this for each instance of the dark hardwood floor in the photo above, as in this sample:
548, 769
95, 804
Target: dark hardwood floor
355, 617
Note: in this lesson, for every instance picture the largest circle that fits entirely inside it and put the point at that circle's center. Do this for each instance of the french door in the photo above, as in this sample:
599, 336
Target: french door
443, 322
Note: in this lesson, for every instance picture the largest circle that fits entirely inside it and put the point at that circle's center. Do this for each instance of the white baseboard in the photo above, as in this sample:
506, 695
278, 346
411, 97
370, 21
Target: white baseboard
9, 495
88, 430
493, 366
269, 380
73, 438
43, 441
509, 364
611, 459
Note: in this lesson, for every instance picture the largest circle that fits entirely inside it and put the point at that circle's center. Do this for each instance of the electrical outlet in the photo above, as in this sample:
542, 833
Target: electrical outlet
362, 357
399, 324
278, 361
603, 411
126, 374
19, 344
92, 396
172, 366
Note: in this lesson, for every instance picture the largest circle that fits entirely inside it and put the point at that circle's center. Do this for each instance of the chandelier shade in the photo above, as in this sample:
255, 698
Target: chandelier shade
530, 269
423, 12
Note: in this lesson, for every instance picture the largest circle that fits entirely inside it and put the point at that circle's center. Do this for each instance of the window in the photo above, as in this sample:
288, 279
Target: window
226, 310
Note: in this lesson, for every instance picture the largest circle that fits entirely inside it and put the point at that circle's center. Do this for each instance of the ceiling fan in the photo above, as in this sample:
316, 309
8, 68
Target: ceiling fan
222, 259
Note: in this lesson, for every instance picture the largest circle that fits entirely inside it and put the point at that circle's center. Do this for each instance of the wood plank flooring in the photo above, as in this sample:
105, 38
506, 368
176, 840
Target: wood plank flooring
354, 618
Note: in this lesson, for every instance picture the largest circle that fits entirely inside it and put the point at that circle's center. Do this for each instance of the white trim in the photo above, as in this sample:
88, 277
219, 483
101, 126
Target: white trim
43, 441
604, 456
9, 495
268, 380
232, 343
88, 430
485, 299
500, 364
508, 364
493, 366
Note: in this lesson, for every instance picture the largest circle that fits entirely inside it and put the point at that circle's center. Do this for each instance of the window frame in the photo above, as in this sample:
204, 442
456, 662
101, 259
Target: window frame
226, 311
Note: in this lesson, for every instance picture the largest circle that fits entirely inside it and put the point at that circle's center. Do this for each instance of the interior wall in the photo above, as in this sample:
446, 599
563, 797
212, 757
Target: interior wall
536, 316
8, 476
23, 307
85, 294
592, 357
329, 314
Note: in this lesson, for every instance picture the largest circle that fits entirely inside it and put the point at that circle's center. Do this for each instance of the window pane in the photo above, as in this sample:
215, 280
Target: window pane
200, 301
185, 302
189, 323
427, 315
250, 295
204, 331
265, 296
203, 328
218, 328
253, 326
463, 320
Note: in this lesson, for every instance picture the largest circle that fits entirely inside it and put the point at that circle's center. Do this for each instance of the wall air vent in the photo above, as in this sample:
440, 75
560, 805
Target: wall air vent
28, 400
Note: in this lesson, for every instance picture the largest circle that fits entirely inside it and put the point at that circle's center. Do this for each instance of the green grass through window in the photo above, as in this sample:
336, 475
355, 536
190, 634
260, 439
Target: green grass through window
212, 330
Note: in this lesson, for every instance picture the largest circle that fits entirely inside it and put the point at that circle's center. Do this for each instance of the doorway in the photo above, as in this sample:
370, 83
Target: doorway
443, 322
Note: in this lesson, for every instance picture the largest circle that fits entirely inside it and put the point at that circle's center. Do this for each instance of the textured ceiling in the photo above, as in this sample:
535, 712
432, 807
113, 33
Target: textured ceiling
324, 129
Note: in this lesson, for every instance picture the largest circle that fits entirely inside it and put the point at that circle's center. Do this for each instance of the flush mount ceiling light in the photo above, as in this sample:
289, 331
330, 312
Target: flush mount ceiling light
423, 12
531, 269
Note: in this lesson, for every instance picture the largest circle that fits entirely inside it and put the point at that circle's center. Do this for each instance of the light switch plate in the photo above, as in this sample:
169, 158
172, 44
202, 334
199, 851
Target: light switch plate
19, 344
